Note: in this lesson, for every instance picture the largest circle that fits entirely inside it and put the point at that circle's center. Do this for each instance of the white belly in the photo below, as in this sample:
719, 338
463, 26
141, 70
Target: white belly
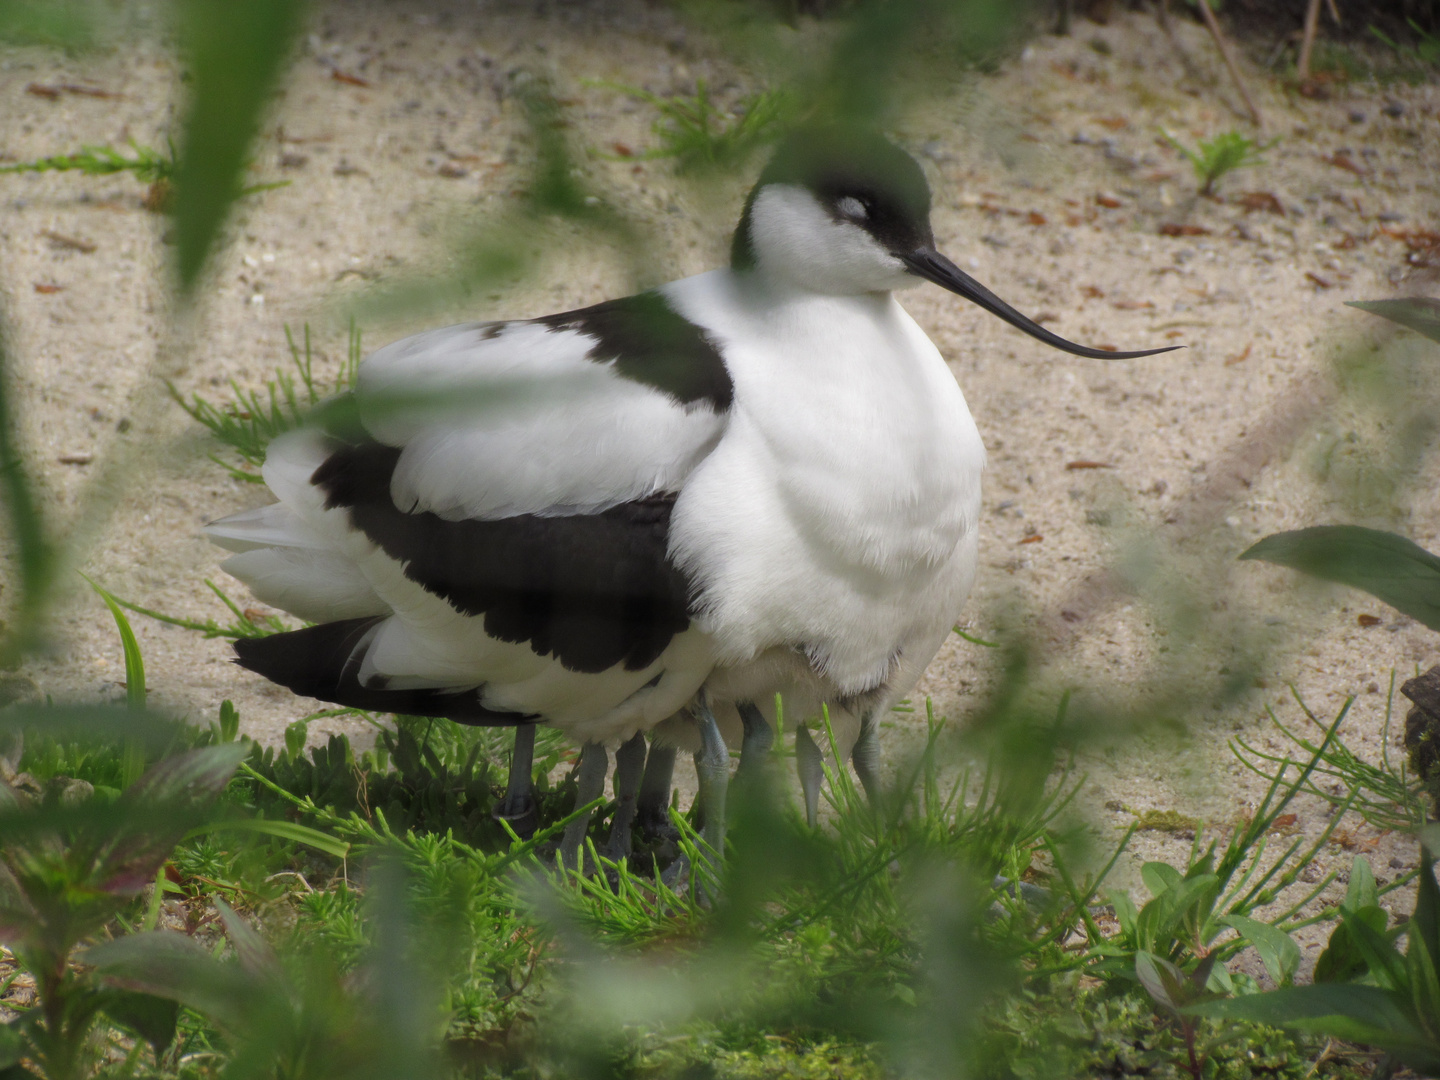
837, 517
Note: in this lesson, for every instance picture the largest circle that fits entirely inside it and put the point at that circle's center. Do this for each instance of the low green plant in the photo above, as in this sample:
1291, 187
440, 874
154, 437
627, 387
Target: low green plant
1397, 1008
1217, 891
1226, 152
297, 1015
698, 135
71, 859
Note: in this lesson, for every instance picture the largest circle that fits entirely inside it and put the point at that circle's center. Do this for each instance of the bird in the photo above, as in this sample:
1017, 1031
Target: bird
642, 515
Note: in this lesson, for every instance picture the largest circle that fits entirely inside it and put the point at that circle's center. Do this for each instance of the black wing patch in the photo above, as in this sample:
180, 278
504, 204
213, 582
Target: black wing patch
651, 343
593, 590
320, 662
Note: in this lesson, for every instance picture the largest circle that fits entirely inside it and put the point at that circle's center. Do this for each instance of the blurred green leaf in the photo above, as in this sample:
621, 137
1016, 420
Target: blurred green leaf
1418, 313
94, 724
1360, 891
234, 54
170, 965
1342, 959
1387, 566
150, 1017
35, 557
1277, 949
1161, 979
68, 24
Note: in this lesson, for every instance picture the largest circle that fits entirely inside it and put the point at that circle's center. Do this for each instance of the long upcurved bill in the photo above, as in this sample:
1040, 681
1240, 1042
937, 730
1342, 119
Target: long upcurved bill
932, 266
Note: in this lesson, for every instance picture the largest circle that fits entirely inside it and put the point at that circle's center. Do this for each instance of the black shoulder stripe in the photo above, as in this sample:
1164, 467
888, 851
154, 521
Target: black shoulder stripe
594, 590
319, 662
650, 342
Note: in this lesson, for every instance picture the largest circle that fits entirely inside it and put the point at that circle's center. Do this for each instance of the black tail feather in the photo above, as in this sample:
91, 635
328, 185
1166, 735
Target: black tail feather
322, 662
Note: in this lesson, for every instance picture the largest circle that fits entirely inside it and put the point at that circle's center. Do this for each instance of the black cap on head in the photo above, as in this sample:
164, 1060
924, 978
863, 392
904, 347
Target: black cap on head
835, 163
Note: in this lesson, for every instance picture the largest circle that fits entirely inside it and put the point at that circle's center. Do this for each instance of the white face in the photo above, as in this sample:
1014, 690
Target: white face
800, 242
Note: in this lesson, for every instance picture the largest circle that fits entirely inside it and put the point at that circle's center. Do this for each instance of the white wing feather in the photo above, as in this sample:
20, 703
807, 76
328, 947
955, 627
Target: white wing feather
504, 419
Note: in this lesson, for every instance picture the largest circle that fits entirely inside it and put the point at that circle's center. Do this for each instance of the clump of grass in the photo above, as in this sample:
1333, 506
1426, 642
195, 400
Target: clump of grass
700, 135
247, 423
1386, 795
1424, 54
147, 164
1225, 153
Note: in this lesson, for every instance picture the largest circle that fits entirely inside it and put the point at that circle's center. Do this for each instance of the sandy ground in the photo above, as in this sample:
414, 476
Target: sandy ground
1051, 186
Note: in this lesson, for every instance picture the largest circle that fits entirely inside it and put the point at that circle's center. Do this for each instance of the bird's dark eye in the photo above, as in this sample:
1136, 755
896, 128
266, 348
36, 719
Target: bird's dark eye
849, 206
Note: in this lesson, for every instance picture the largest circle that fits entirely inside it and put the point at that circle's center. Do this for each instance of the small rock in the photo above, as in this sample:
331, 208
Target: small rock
1394, 110
293, 161
1397, 863
1390, 217
79, 457
1356, 116
451, 171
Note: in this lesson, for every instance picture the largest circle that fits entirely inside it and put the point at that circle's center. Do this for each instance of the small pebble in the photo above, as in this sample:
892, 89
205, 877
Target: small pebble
79, 457
1357, 117
1394, 110
1390, 216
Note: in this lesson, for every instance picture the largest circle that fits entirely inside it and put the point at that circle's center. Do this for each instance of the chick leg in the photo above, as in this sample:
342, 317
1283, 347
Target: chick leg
629, 771
519, 807
594, 763
712, 767
811, 767
759, 738
865, 757
653, 804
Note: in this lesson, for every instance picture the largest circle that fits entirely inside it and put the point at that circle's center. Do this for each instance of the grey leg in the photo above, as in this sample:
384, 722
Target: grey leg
594, 763
811, 767
629, 767
519, 807
759, 738
653, 804
865, 756
712, 766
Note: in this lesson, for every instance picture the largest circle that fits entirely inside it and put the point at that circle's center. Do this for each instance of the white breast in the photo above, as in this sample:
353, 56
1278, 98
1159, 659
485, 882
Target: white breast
838, 514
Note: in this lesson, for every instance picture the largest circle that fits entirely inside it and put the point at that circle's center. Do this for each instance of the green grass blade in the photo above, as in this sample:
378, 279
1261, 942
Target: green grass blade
283, 830
134, 662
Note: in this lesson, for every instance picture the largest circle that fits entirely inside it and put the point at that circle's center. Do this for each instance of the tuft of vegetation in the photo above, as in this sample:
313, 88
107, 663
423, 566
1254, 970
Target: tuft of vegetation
252, 418
1225, 153
147, 164
700, 136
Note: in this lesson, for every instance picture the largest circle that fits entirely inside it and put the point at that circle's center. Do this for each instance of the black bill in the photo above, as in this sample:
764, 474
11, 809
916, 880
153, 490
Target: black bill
932, 266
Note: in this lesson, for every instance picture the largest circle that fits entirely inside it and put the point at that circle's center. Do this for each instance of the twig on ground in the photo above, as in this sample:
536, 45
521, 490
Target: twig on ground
1213, 26
1307, 41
